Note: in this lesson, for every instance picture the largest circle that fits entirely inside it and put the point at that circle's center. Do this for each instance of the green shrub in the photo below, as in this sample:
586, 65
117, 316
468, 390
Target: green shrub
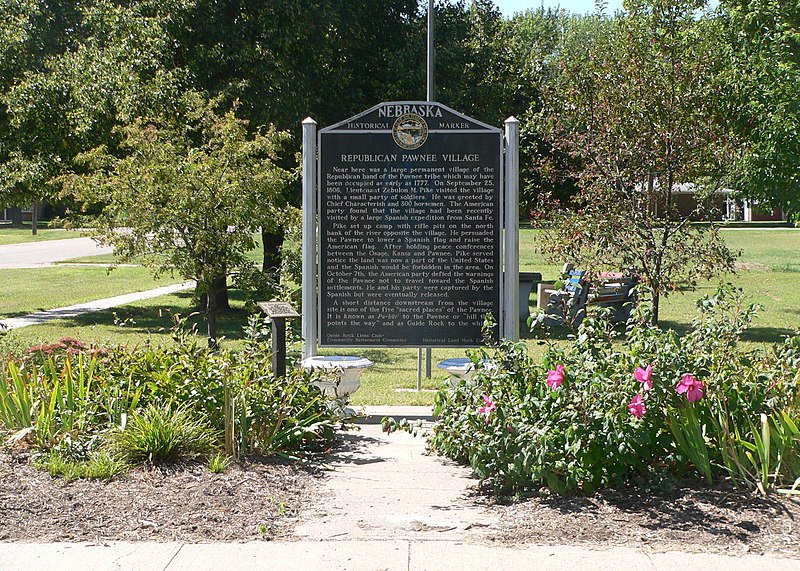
266, 415
100, 465
219, 462
600, 413
162, 434
70, 392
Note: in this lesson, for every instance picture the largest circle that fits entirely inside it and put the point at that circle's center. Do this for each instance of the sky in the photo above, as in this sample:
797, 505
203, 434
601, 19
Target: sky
509, 7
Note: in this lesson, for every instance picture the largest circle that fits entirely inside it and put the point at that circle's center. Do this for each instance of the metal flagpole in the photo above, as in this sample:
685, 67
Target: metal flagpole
431, 13
430, 98
511, 285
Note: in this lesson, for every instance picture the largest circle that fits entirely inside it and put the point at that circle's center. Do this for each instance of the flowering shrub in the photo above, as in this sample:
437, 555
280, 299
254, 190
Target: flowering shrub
601, 413
487, 410
691, 387
65, 347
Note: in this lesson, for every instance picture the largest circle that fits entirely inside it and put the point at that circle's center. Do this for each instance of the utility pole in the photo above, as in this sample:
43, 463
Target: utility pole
431, 49
430, 98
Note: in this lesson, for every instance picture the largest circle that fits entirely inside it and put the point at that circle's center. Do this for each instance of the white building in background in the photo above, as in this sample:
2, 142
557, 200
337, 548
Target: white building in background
727, 205
24, 213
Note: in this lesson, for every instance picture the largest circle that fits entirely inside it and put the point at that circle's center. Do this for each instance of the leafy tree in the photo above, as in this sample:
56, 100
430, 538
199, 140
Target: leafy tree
765, 36
639, 112
31, 32
285, 61
537, 42
75, 71
183, 196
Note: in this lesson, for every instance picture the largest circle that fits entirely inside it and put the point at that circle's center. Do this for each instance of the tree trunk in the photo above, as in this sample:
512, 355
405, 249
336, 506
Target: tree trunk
655, 299
211, 315
273, 243
35, 217
16, 216
221, 287
222, 301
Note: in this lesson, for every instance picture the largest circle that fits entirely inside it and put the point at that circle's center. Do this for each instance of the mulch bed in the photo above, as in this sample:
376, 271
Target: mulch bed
688, 518
262, 501
249, 501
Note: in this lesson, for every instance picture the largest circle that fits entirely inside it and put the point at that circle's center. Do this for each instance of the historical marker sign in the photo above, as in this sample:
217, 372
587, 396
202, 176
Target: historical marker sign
410, 227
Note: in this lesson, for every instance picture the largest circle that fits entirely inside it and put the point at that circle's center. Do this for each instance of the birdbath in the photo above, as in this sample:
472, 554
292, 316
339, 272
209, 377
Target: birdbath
341, 373
458, 368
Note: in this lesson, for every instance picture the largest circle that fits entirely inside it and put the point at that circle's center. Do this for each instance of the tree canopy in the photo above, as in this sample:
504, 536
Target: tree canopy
639, 111
764, 36
188, 195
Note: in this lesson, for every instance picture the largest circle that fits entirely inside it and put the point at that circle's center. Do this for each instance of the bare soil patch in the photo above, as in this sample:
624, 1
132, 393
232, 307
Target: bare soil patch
249, 501
693, 519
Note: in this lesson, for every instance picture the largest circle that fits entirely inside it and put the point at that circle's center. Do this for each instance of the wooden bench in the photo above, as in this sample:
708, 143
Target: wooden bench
614, 290
606, 289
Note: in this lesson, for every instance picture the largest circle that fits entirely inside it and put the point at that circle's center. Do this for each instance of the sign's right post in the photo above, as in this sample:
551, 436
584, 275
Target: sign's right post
511, 300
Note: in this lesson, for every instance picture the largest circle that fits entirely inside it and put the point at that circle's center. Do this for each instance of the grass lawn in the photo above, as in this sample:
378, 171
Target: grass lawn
769, 275
770, 264
26, 290
20, 235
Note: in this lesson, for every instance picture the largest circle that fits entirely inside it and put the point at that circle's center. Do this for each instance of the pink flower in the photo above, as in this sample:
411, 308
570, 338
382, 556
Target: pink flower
691, 386
636, 406
487, 410
644, 377
555, 378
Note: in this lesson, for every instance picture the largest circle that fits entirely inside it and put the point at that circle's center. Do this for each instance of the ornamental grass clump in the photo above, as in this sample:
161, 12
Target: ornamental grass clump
601, 413
163, 433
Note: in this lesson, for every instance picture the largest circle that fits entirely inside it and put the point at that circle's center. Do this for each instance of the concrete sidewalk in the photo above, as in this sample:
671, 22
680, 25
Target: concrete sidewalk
97, 305
386, 487
385, 505
389, 555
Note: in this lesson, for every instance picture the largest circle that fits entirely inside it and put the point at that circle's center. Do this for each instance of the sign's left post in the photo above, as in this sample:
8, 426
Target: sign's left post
309, 289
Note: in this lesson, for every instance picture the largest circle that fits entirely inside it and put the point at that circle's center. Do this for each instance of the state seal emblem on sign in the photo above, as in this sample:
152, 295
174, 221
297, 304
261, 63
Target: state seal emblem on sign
410, 131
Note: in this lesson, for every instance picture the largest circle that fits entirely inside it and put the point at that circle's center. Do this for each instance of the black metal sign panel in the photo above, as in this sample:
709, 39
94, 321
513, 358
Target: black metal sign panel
410, 227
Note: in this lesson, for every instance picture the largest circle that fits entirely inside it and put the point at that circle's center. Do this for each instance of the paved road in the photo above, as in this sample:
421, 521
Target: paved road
38, 254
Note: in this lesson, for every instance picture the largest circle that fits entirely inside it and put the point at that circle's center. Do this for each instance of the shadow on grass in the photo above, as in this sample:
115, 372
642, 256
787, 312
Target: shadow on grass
679, 327
12, 314
767, 334
557, 332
